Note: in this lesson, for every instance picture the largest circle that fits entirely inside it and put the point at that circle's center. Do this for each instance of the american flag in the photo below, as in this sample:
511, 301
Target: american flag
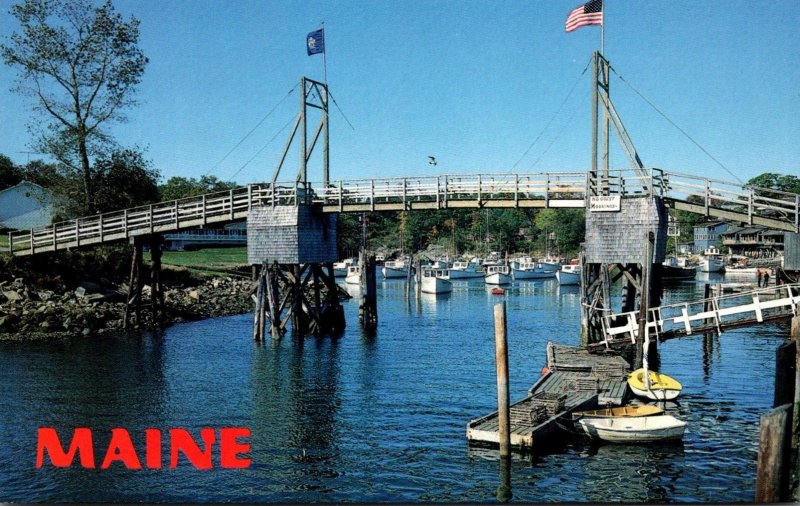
590, 13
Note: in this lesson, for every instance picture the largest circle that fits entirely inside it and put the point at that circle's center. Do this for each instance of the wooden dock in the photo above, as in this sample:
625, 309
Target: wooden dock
575, 380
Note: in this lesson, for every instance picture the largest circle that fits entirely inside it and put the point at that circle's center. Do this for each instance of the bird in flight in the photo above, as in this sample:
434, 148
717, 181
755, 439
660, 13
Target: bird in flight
432, 160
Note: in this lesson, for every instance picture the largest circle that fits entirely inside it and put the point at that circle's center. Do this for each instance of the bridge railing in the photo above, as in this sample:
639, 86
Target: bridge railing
750, 201
707, 315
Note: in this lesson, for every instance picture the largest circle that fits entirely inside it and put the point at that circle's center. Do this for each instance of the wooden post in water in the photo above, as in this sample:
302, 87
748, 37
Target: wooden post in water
134, 285
501, 359
644, 298
785, 359
273, 300
368, 303
708, 337
258, 323
156, 287
410, 268
772, 471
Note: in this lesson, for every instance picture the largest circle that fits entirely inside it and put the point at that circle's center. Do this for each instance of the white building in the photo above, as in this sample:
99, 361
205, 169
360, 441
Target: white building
26, 205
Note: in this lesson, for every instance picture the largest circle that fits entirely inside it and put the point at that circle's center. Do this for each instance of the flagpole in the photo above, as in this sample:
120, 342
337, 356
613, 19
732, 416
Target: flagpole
324, 55
603, 31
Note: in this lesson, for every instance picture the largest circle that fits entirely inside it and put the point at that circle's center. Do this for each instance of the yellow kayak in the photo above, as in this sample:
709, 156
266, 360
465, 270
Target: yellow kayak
662, 387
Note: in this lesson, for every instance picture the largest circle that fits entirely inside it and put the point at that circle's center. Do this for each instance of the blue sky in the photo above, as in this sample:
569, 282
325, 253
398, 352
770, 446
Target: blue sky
472, 83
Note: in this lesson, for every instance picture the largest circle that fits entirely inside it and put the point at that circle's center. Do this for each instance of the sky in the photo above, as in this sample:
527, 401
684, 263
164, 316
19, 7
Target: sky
483, 86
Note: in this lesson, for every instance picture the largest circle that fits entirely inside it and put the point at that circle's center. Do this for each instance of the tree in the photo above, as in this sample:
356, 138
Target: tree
9, 173
781, 182
81, 64
125, 179
178, 187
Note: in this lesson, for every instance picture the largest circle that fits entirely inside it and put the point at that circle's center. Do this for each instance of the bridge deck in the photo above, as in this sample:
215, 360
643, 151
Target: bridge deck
712, 198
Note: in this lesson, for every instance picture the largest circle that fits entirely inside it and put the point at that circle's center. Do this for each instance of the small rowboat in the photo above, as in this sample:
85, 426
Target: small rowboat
634, 429
662, 387
498, 291
634, 410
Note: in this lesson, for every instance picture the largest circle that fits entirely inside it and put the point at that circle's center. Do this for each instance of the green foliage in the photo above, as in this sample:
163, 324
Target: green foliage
180, 187
81, 65
568, 226
781, 182
9, 174
124, 179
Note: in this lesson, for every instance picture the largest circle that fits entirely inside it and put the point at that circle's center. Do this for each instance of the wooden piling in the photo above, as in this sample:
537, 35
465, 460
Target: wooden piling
772, 471
794, 332
785, 358
644, 297
156, 287
368, 301
501, 359
258, 323
133, 300
408, 277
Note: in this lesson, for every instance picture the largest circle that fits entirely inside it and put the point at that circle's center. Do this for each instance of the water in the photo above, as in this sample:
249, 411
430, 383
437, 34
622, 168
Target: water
373, 419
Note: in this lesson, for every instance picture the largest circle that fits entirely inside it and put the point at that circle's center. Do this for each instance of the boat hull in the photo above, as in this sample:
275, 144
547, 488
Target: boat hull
391, 272
497, 278
711, 265
642, 429
353, 279
465, 274
532, 274
435, 285
662, 387
568, 278
622, 411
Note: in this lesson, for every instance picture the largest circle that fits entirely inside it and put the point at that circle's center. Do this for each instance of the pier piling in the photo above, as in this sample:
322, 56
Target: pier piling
501, 359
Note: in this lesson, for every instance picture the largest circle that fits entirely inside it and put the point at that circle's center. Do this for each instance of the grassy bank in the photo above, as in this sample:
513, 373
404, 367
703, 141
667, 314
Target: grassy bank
222, 260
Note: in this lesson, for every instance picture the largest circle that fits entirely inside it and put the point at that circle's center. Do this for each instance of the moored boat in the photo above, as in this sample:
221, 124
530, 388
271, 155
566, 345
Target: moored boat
340, 268
465, 270
662, 387
634, 429
435, 281
394, 269
497, 275
353, 275
531, 270
621, 411
570, 274
712, 261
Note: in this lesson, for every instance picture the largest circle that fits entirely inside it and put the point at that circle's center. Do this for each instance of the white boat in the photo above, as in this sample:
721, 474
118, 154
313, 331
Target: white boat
712, 261
340, 268
435, 281
394, 269
465, 270
497, 275
570, 274
550, 264
353, 275
634, 429
531, 270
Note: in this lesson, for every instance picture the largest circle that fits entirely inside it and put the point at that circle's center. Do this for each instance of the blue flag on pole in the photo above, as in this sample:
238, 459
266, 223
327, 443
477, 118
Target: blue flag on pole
315, 42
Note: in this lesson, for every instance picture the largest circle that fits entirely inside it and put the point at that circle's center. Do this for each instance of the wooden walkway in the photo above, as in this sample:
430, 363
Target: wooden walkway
713, 315
580, 379
711, 198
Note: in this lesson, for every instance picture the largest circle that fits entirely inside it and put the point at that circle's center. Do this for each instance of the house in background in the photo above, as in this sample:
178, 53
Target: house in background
708, 234
754, 242
25, 206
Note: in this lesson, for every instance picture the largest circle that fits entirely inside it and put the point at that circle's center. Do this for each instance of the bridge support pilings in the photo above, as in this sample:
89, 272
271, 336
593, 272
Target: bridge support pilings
305, 294
624, 245
139, 277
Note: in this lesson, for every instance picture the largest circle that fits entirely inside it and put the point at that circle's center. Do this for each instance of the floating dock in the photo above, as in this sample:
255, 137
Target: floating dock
573, 380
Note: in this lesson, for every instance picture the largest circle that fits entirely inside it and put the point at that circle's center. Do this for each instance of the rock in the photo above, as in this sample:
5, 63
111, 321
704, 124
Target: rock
19, 283
86, 332
80, 292
194, 295
12, 295
45, 295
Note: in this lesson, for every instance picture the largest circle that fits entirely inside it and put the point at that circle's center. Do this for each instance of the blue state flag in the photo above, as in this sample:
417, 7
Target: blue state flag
315, 42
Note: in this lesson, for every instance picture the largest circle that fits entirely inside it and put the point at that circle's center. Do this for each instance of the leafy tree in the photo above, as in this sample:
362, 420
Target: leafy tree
9, 173
125, 179
178, 187
781, 182
81, 64
569, 226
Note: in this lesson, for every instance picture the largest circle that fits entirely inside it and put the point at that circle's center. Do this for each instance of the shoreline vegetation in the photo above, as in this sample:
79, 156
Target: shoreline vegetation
73, 294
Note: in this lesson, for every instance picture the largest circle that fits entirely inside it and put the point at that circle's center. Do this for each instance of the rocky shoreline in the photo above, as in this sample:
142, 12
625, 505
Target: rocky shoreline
31, 314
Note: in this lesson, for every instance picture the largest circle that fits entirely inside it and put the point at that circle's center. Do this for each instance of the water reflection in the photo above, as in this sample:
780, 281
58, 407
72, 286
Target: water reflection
631, 473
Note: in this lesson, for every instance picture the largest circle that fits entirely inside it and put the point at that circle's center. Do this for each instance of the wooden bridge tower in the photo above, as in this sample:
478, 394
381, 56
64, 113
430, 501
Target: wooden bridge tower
626, 234
294, 246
